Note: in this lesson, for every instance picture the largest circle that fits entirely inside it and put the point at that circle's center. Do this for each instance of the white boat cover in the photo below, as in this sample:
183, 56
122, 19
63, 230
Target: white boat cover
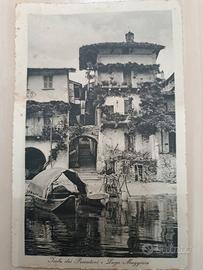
40, 185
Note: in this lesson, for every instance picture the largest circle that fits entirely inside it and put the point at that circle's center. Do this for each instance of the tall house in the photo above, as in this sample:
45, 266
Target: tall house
48, 84
117, 73
120, 66
47, 90
49, 93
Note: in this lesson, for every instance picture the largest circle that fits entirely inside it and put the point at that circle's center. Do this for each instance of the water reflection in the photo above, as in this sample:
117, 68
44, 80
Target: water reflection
146, 227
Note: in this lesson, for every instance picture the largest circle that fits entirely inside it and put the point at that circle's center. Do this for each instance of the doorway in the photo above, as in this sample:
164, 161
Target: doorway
83, 153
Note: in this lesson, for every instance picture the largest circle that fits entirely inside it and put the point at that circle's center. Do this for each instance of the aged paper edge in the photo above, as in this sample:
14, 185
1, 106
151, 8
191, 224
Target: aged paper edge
22, 10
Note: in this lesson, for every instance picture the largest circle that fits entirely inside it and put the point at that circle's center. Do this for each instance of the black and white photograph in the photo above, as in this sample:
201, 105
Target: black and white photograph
100, 140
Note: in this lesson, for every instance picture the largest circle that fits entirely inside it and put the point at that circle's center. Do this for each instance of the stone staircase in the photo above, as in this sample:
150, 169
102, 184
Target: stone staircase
87, 170
86, 159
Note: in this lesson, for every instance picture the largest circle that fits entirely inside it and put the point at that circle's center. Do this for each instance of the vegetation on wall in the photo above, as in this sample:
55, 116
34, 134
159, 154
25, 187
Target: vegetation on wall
102, 93
75, 131
135, 67
153, 113
88, 53
123, 162
117, 117
46, 108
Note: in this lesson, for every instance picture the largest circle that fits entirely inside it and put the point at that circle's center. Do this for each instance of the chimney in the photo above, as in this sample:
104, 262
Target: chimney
162, 75
129, 37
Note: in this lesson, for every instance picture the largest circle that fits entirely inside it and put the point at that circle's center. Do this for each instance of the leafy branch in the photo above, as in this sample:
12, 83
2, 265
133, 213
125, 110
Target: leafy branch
153, 113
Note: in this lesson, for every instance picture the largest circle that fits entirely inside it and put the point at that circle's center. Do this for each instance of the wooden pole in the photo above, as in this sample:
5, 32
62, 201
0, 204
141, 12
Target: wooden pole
51, 140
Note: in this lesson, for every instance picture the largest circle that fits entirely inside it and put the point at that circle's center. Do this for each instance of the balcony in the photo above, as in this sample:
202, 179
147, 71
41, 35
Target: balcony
113, 84
115, 120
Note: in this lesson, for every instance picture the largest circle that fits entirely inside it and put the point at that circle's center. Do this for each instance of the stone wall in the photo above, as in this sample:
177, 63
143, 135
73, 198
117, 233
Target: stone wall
142, 144
116, 76
35, 125
109, 139
153, 164
118, 103
138, 171
141, 78
85, 131
37, 92
146, 59
45, 147
166, 168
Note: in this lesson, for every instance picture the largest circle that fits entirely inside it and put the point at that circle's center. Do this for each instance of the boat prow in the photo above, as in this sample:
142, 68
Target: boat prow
68, 205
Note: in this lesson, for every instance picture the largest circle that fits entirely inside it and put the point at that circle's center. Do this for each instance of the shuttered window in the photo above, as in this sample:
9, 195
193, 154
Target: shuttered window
127, 106
48, 82
139, 172
172, 142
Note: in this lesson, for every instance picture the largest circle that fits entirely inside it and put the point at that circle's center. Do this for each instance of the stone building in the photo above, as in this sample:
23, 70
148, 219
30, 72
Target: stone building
49, 92
122, 122
118, 74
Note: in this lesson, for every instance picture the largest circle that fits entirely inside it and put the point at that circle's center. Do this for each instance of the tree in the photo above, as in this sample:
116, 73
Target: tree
153, 115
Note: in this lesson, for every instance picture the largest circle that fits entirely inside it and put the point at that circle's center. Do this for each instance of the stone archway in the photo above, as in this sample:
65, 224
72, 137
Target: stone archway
34, 162
83, 152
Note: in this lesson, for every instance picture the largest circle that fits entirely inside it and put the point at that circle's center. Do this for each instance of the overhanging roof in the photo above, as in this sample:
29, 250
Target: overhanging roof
49, 71
132, 45
89, 53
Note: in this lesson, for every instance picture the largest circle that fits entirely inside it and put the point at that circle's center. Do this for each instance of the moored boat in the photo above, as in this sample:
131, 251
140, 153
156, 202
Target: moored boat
62, 190
53, 191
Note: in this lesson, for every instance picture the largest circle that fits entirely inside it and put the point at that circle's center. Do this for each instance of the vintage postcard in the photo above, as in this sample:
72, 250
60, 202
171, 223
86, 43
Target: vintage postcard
99, 173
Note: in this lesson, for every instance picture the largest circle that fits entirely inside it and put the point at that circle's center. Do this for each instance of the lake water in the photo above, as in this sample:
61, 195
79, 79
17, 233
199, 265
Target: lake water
144, 227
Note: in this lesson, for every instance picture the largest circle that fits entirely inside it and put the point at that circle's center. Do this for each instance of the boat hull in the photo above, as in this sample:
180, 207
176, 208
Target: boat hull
94, 202
66, 205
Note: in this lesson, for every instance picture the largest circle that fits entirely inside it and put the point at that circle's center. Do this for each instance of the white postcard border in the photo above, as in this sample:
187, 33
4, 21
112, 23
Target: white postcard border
19, 259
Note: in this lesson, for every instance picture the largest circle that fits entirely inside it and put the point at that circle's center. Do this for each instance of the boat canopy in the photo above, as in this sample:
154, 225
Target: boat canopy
41, 184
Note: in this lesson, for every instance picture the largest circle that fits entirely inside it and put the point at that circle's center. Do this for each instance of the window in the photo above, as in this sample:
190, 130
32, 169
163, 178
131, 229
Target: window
76, 91
110, 109
110, 167
48, 82
166, 106
127, 106
129, 142
127, 76
172, 142
47, 122
139, 172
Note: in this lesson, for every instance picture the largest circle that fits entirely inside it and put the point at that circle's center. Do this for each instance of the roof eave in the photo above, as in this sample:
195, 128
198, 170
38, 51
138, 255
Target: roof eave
35, 71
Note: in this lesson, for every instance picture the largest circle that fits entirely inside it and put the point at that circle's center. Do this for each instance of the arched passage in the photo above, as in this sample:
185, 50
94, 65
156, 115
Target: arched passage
34, 161
83, 152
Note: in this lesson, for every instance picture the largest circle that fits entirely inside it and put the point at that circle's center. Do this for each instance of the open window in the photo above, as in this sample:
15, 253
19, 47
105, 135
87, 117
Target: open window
172, 142
127, 77
129, 142
110, 109
76, 91
139, 173
127, 106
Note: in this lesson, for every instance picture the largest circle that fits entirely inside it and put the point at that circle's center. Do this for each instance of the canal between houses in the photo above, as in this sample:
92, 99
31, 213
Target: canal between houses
144, 227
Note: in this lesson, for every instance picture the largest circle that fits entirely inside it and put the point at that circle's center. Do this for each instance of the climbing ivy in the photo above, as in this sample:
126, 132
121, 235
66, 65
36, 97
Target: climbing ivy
117, 117
153, 113
46, 108
75, 131
88, 53
137, 68
122, 161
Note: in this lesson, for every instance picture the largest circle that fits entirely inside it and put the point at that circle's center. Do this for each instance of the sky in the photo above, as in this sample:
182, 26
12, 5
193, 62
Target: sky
54, 40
